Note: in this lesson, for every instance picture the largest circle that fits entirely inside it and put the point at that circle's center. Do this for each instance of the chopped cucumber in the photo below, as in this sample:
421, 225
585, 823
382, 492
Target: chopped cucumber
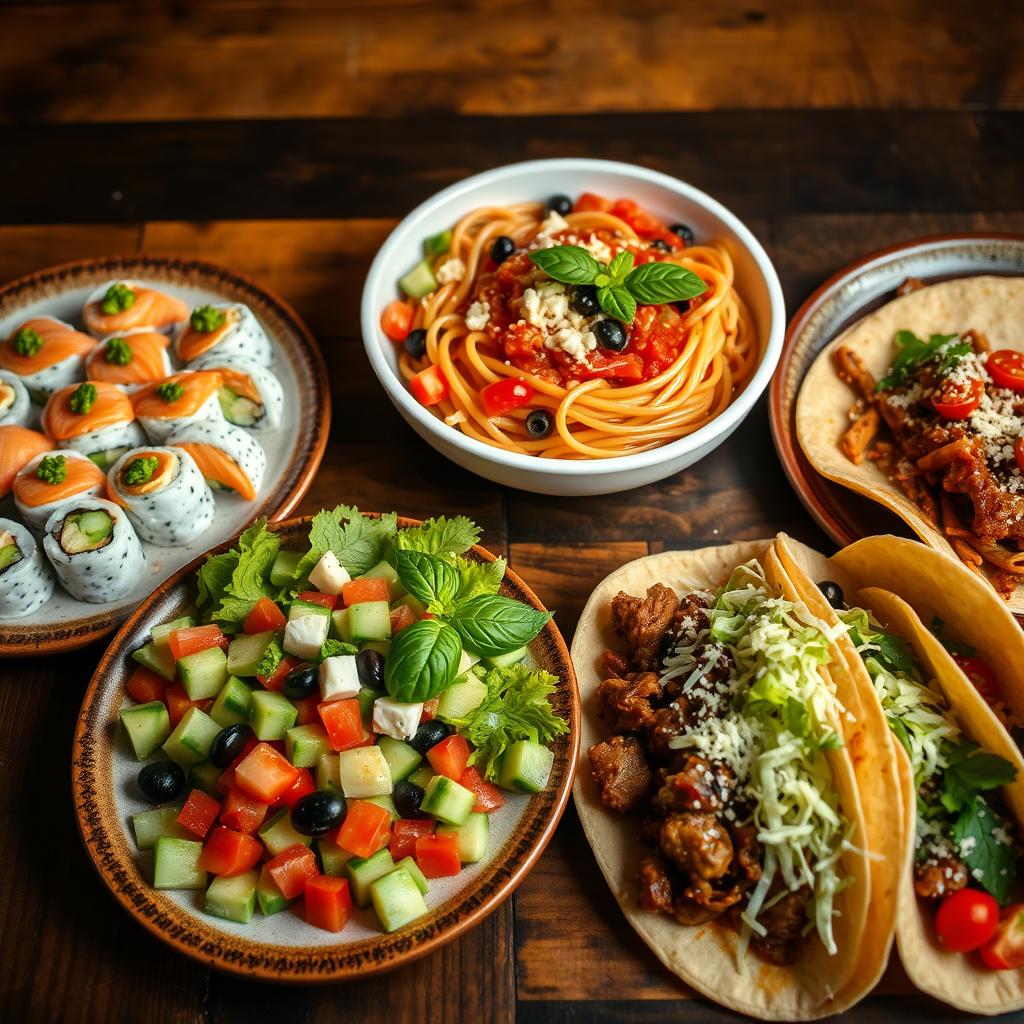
246, 652
364, 772
414, 604
526, 767
176, 864
362, 872
419, 281
268, 895
304, 745
301, 608
397, 899
328, 772
147, 726
239, 410
417, 876
271, 714
106, 457
278, 833
366, 698
437, 244
387, 803
369, 620
204, 776
462, 697
472, 837
385, 571
156, 659
341, 628
86, 532
400, 756
282, 572
511, 658
232, 704
204, 673
447, 800
332, 857
234, 897
161, 821
421, 777
190, 742
9, 554
159, 634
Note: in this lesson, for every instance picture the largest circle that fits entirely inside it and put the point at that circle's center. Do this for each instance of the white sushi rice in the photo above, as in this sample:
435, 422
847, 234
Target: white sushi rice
242, 447
246, 339
26, 584
268, 386
172, 515
159, 430
36, 515
105, 574
43, 383
19, 412
117, 435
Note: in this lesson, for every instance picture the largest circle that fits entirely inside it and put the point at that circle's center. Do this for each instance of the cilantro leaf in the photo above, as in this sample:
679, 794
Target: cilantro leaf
891, 652
333, 648
271, 659
479, 577
984, 843
913, 352
250, 578
441, 536
358, 541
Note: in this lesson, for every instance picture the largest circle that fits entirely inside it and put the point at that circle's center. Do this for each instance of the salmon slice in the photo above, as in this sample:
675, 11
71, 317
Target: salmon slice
59, 342
110, 407
198, 385
150, 309
145, 357
241, 383
217, 465
18, 447
192, 344
81, 475
162, 474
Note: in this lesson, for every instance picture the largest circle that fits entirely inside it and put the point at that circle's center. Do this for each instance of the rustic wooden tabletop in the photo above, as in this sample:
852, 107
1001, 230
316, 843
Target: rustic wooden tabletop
285, 138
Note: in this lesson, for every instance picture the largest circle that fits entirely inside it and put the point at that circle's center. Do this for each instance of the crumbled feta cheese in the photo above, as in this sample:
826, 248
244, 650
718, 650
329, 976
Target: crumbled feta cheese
453, 269
305, 635
329, 575
553, 224
547, 306
396, 719
339, 677
478, 315
601, 252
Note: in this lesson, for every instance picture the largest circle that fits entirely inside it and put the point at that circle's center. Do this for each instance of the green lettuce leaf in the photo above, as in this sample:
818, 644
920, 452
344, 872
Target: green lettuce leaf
441, 536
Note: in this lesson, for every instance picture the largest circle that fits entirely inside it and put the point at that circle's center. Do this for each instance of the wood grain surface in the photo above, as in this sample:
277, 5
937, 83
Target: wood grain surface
285, 138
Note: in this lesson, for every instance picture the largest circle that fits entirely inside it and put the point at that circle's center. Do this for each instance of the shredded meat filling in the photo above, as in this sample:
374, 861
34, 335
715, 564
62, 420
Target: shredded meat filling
934, 879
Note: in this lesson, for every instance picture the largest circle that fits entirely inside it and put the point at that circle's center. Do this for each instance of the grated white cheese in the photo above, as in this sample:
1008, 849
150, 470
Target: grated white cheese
547, 306
478, 315
452, 270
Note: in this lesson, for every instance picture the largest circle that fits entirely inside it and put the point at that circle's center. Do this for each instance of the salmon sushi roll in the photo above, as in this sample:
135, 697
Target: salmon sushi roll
119, 306
94, 550
18, 447
166, 407
229, 329
46, 354
25, 580
250, 395
53, 479
164, 493
228, 457
15, 401
94, 418
133, 358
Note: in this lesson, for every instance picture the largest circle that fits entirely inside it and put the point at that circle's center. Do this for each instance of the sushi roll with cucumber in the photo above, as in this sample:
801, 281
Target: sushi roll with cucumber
170, 405
119, 306
165, 495
94, 550
227, 328
53, 479
25, 580
250, 395
45, 354
130, 359
94, 418
18, 447
15, 402
228, 457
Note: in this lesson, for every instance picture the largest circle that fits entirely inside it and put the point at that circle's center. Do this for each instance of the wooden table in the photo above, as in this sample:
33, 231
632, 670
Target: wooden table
285, 138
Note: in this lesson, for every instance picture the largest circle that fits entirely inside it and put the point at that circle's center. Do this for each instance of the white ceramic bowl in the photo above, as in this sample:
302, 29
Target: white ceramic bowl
670, 199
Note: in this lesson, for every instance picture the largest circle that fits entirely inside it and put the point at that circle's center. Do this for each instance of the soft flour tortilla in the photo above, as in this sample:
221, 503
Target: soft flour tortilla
993, 305
705, 956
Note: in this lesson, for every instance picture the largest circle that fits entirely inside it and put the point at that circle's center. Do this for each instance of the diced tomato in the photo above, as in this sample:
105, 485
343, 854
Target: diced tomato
307, 710
230, 853
368, 740
983, 676
243, 812
1005, 950
291, 869
449, 757
145, 686
264, 616
276, 679
488, 796
265, 773
227, 778
956, 401
591, 202
502, 396
401, 617
438, 856
315, 597
404, 834
645, 224
966, 920
328, 903
430, 709
360, 591
1006, 368
199, 813
183, 642
1018, 452
343, 723
396, 320
626, 366
178, 703
300, 787
365, 830
429, 386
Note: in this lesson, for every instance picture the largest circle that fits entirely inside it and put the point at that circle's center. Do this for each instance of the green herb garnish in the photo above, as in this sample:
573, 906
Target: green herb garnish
913, 353
82, 398
140, 470
207, 318
422, 661
334, 648
118, 352
271, 659
27, 342
357, 541
170, 391
52, 469
440, 536
117, 299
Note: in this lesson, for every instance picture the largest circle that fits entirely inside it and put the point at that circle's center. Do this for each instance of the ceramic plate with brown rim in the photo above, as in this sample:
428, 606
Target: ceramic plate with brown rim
849, 295
285, 947
293, 451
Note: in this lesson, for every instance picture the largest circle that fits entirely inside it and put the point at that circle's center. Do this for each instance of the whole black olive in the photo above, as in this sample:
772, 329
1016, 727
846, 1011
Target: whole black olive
416, 342
684, 231
611, 334
538, 423
227, 745
832, 592
560, 204
317, 813
161, 782
502, 248
661, 245
584, 300
370, 668
428, 735
301, 683
408, 797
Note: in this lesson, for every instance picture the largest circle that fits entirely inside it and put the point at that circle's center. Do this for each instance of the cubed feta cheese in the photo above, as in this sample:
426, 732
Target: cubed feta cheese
466, 662
339, 678
304, 636
329, 575
364, 771
396, 719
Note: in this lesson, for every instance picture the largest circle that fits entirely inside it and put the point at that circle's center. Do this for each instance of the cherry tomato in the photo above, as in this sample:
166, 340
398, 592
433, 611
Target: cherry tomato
958, 401
966, 920
429, 386
590, 201
982, 675
1006, 368
1018, 452
503, 396
396, 320
1005, 950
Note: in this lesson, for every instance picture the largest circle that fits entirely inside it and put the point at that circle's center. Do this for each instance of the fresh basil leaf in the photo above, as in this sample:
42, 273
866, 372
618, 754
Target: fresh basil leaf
569, 264
616, 301
620, 266
656, 283
490, 625
431, 580
988, 852
422, 662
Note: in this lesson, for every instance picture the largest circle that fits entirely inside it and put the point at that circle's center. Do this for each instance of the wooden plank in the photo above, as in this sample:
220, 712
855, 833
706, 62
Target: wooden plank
24, 249
270, 59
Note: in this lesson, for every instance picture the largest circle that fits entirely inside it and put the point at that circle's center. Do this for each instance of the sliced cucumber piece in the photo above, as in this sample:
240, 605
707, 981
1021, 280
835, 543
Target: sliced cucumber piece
205, 776
159, 634
414, 604
147, 726
447, 800
328, 772
161, 821
414, 872
271, 714
421, 777
239, 410
362, 872
176, 864
332, 857
419, 281
525, 766
278, 833
301, 608
369, 620
282, 572
268, 895
397, 900
234, 897
387, 572
105, 458
401, 758
190, 742
204, 673
304, 745
437, 244
9, 554
246, 652
366, 698
465, 695
232, 704
341, 625
472, 837
156, 659
511, 658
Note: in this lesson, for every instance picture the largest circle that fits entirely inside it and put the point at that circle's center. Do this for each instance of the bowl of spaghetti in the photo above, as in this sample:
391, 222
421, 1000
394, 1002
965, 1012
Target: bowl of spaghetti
573, 326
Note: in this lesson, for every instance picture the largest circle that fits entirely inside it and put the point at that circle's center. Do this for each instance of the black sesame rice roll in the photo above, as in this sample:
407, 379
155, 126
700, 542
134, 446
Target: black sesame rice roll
25, 580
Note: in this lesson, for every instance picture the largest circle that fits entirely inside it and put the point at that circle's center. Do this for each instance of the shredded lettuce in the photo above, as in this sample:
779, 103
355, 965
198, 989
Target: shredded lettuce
232, 582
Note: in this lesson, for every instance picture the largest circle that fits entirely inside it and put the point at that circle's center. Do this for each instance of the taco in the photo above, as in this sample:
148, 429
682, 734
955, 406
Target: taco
920, 407
718, 788
960, 925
